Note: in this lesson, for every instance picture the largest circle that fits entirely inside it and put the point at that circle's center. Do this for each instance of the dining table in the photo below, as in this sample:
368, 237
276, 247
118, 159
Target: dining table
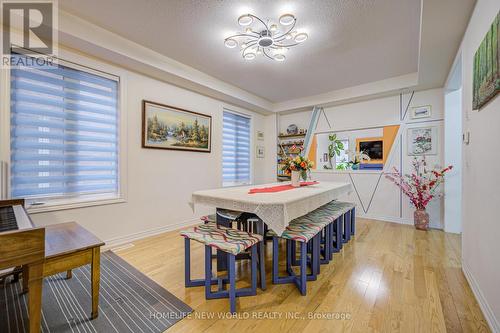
275, 204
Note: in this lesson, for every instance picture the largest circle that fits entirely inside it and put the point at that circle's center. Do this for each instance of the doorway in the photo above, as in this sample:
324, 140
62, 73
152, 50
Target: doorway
453, 149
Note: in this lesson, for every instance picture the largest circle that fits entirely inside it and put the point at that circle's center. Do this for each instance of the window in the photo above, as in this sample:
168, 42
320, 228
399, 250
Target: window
236, 149
64, 133
343, 158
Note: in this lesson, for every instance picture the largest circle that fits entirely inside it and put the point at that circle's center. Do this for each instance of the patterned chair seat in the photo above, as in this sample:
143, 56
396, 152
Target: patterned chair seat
300, 229
337, 208
304, 228
226, 239
320, 217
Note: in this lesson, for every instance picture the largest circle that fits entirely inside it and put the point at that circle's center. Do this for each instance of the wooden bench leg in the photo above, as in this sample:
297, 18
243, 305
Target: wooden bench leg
69, 274
353, 221
96, 276
303, 268
232, 282
35, 296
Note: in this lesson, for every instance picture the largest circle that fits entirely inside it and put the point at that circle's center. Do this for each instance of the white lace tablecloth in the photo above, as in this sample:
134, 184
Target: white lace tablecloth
275, 209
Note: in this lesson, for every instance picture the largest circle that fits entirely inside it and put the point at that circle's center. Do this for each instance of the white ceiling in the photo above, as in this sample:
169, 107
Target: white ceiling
351, 42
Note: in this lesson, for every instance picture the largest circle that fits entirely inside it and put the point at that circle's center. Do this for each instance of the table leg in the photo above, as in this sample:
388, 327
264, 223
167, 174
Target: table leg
35, 296
96, 273
26, 278
69, 274
221, 255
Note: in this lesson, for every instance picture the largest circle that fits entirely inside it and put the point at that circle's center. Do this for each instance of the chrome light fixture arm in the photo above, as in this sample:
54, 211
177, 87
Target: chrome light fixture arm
269, 42
278, 38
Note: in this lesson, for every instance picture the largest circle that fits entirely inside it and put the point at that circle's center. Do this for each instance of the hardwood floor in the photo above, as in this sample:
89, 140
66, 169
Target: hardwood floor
389, 278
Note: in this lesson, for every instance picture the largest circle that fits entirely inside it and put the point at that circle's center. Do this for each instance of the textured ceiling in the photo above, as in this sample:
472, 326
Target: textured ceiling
350, 42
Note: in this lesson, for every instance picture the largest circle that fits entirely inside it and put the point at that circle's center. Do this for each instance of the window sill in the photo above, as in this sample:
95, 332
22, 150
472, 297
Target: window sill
73, 204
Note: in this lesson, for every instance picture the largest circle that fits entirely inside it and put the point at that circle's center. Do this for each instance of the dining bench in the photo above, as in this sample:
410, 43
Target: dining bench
231, 242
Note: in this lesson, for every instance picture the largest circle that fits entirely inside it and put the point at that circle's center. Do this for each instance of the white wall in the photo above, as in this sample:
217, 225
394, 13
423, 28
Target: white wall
453, 156
481, 180
160, 182
375, 196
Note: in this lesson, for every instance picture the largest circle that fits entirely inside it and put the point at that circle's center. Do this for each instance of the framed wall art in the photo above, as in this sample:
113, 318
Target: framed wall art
168, 127
422, 141
424, 111
259, 150
486, 71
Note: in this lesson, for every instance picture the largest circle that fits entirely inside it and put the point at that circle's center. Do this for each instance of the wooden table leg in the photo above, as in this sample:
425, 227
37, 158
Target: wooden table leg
26, 278
35, 296
69, 274
96, 272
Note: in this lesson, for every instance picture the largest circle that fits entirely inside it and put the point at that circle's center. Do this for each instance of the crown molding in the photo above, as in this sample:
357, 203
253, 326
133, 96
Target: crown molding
347, 95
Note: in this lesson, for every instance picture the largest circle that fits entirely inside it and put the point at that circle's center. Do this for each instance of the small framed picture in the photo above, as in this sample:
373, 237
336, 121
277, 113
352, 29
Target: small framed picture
260, 135
422, 141
424, 111
259, 151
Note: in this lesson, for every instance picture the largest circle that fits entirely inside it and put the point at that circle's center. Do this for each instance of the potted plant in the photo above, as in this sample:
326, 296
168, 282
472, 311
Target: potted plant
356, 158
334, 149
298, 167
421, 186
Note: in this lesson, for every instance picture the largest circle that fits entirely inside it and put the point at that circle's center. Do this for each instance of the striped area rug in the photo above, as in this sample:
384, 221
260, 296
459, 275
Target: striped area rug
129, 302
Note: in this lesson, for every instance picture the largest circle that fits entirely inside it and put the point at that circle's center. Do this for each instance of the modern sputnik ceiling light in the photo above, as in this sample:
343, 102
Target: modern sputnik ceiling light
271, 40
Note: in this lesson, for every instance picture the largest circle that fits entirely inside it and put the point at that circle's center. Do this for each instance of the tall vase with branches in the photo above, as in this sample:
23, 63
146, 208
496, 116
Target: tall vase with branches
421, 186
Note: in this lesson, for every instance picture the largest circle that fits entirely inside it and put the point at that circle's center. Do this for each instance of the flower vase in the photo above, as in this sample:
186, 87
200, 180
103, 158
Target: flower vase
421, 219
295, 178
333, 162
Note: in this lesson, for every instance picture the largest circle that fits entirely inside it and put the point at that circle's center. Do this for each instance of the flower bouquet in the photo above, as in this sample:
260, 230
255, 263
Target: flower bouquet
421, 186
298, 167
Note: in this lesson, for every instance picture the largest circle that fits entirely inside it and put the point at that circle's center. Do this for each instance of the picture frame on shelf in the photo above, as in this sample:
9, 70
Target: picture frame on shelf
419, 112
172, 128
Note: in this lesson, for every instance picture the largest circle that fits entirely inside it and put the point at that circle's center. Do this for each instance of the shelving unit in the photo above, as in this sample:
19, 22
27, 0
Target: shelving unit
289, 136
285, 143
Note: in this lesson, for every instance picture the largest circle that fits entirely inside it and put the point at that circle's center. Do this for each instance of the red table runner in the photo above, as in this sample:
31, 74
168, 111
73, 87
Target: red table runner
278, 188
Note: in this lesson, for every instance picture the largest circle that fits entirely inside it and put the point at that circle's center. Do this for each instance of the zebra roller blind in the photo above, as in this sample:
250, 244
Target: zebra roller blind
64, 132
236, 149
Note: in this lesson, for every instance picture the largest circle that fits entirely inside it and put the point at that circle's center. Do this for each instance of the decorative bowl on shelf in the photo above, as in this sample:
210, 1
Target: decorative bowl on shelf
292, 129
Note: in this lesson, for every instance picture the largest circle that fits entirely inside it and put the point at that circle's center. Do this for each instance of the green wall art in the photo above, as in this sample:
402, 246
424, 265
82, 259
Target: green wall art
486, 73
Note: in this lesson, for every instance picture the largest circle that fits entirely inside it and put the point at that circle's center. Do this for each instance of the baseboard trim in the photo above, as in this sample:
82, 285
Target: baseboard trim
387, 219
483, 304
114, 242
392, 219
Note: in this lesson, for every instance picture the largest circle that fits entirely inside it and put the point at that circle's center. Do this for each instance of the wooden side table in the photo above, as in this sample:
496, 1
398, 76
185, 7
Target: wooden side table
68, 246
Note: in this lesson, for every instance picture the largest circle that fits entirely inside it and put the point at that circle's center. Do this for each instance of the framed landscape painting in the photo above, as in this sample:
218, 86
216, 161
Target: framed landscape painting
486, 72
168, 127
